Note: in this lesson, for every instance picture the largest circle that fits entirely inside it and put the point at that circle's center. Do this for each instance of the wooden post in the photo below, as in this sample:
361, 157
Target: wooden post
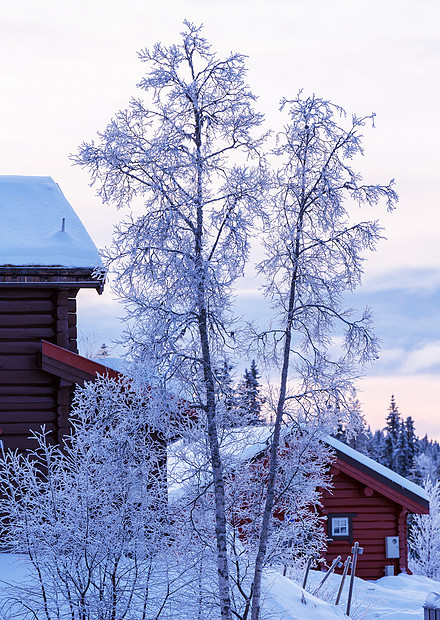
335, 563
344, 574
356, 550
306, 574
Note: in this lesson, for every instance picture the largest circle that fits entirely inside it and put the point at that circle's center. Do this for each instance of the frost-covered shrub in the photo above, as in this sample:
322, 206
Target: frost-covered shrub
424, 536
296, 531
89, 515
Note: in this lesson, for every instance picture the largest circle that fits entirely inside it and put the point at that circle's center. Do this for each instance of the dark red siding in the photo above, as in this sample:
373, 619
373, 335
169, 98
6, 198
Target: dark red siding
374, 517
36, 303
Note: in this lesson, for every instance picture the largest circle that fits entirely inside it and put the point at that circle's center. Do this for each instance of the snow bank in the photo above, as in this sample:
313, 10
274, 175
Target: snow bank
390, 598
287, 600
32, 232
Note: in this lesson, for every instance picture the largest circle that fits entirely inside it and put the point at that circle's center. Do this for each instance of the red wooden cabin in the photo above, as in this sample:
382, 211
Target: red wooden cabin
46, 257
369, 504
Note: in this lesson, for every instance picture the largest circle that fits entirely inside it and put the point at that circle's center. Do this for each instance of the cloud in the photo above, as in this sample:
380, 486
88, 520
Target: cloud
389, 359
413, 361
414, 279
423, 359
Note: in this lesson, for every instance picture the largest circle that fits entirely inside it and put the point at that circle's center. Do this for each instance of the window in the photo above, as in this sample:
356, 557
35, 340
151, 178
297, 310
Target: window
340, 526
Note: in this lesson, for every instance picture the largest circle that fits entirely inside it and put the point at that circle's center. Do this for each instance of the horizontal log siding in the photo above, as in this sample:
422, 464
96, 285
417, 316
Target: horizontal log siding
377, 517
29, 396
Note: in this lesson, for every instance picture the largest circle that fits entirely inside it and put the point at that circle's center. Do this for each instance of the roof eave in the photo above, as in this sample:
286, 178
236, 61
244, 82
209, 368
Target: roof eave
72, 367
414, 503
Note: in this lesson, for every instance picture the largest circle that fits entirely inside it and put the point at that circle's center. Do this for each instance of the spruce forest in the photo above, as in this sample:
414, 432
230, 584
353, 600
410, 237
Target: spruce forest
398, 447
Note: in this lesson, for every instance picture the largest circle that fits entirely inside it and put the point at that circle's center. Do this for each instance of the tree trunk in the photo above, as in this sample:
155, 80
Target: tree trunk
217, 474
273, 455
210, 408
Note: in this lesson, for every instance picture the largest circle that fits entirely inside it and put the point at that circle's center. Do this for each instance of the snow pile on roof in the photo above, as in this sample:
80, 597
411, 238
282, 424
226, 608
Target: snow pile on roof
377, 467
114, 363
32, 232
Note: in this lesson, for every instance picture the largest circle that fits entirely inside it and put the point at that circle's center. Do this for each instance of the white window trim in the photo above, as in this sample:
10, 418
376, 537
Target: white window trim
342, 524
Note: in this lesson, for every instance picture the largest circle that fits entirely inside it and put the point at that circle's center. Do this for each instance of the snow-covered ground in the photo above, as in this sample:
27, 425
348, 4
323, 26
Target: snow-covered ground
391, 598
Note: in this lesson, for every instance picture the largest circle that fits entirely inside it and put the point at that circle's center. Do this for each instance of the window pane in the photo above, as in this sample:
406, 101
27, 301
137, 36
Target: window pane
340, 526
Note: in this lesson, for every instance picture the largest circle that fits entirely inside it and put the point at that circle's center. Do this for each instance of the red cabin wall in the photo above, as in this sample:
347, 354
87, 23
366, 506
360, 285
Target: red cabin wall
30, 397
376, 517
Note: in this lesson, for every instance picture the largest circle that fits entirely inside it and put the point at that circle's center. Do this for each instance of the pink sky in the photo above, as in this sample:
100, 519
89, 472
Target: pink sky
68, 66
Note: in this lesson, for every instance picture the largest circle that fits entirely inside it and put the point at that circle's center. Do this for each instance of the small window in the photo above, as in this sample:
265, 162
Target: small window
340, 526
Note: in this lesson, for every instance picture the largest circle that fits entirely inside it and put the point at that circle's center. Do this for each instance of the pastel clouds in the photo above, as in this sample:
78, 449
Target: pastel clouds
417, 396
423, 359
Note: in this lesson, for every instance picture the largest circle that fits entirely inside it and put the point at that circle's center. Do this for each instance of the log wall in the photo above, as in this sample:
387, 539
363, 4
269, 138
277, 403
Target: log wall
30, 397
374, 518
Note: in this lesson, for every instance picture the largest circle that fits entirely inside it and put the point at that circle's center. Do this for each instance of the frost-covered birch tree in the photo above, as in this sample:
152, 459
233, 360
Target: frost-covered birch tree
187, 153
187, 159
314, 254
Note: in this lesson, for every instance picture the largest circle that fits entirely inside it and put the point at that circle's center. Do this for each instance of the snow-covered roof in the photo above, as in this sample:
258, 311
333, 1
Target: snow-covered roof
242, 444
258, 439
376, 467
39, 227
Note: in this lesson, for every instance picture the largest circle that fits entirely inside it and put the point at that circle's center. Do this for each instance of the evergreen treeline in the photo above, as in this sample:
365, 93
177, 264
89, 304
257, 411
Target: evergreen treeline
398, 447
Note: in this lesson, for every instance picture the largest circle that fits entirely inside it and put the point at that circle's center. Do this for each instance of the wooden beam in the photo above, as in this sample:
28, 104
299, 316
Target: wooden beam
26, 428
24, 378
32, 414
27, 306
26, 333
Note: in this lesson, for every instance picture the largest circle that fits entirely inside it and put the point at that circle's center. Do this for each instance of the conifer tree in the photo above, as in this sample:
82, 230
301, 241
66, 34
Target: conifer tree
392, 428
252, 398
412, 443
402, 457
377, 446
226, 394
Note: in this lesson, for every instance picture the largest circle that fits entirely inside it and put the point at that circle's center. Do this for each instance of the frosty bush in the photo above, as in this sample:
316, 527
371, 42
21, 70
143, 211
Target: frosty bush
88, 515
296, 531
424, 536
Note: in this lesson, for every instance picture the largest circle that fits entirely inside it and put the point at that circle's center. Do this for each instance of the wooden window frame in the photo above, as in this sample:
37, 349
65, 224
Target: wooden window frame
340, 515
